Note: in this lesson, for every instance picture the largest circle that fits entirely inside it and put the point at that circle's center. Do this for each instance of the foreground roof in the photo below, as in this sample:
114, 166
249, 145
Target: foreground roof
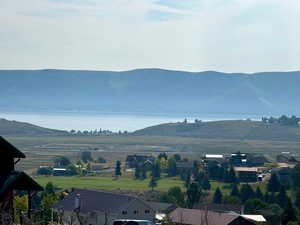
18, 181
195, 217
91, 200
7, 150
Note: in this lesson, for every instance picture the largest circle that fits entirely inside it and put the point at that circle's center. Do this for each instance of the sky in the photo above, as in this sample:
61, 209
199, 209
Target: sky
192, 35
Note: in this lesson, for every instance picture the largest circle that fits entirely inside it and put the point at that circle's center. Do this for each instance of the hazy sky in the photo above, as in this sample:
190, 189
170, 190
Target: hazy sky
193, 35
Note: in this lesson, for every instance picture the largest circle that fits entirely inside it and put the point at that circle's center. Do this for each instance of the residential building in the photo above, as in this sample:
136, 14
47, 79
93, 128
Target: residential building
101, 208
246, 174
207, 217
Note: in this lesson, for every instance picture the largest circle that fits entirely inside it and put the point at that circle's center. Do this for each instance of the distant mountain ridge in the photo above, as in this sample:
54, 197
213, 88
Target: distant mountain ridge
151, 90
227, 129
15, 128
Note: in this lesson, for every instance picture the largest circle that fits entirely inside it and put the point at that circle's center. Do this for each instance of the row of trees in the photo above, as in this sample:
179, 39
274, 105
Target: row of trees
283, 120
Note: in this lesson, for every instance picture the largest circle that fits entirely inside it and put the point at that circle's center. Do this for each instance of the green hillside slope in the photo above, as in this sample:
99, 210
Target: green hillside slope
14, 128
229, 129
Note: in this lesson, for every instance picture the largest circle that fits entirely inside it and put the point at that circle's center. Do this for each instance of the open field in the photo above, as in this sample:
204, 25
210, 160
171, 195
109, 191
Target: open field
40, 151
107, 183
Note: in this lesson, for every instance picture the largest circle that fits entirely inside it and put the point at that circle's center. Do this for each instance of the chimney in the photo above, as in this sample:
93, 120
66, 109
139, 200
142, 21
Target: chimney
77, 201
242, 210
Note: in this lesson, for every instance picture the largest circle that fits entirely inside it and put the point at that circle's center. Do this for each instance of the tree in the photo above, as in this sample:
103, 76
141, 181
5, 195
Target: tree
246, 192
118, 169
156, 171
101, 160
217, 196
193, 194
259, 194
295, 176
153, 183
61, 161
297, 198
253, 205
282, 198
273, 185
205, 183
176, 196
235, 191
172, 169
289, 213
177, 157
231, 175
233, 200
86, 156
137, 172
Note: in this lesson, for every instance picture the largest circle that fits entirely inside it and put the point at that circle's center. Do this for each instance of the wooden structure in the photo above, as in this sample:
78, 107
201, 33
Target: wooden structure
11, 180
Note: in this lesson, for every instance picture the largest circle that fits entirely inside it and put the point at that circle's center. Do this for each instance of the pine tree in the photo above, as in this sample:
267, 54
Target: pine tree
156, 170
273, 185
259, 194
282, 198
235, 191
153, 183
289, 214
137, 172
205, 183
267, 197
246, 192
193, 194
143, 174
118, 169
217, 196
231, 176
297, 198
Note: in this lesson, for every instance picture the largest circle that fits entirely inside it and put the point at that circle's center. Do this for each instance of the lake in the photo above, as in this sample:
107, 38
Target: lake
110, 121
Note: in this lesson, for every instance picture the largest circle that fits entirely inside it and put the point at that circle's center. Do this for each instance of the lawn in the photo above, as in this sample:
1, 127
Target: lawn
106, 183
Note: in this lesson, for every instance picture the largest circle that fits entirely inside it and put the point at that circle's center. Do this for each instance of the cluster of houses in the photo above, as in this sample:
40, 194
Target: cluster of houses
247, 166
102, 208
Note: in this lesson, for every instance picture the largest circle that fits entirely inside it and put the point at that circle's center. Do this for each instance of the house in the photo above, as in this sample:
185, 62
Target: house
133, 161
246, 174
11, 180
222, 208
161, 210
184, 167
196, 217
101, 208
60, 172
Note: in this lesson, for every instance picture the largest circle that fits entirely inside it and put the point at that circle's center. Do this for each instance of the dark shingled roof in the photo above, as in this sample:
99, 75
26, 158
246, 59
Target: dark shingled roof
220, 207
7, 150
18, 181
91, 200
195, 217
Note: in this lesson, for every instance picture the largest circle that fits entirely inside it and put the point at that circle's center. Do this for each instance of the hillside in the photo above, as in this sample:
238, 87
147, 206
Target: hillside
151, 91
230, 129
14, 128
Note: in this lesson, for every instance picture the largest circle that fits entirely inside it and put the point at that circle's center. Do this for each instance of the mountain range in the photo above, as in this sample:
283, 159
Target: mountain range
151, 91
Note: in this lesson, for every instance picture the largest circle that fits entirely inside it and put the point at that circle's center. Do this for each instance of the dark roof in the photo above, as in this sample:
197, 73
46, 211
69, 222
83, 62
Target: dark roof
8, 150
220, 207
162, 206
18, 181
91, 200
183, 164
195, 217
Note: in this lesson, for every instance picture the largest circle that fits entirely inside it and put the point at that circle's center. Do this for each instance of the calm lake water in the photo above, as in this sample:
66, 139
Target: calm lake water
110, 121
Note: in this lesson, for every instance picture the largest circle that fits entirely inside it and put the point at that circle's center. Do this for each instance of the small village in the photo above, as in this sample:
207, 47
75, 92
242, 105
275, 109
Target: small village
255, 191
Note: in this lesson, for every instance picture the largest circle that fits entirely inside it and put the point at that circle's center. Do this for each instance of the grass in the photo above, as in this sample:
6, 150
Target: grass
106, 183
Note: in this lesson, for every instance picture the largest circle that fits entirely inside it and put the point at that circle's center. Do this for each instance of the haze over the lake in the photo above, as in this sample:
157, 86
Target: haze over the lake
192, 35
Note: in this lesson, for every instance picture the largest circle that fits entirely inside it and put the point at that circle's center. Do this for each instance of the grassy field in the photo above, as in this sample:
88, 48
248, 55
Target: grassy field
107, 183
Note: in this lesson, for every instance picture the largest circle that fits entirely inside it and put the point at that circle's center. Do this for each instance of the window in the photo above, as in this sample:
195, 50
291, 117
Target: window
124, 212
135, 212
147, 211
